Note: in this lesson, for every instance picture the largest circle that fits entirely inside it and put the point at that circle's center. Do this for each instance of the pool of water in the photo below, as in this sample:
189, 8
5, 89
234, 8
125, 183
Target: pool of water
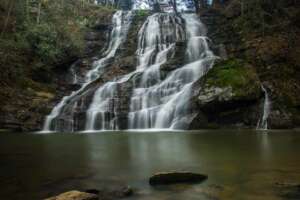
240, 164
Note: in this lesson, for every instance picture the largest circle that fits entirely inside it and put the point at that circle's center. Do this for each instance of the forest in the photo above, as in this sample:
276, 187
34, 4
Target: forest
149, 99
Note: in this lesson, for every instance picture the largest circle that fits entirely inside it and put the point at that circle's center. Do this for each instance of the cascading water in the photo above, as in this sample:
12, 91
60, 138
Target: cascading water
263, 121
156, 102
157, 38
121, 22
163, 104
155, 99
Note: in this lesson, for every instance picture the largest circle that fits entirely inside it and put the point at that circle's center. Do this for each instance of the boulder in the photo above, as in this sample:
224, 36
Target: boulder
288, 190
75, 195
167, 178
116, 192
228, 95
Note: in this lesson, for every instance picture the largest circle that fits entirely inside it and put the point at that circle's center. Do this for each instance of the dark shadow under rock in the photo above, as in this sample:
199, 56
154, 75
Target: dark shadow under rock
167, 178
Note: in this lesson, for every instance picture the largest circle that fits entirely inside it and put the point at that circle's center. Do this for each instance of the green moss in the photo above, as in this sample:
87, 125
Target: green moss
236, 74
142, 13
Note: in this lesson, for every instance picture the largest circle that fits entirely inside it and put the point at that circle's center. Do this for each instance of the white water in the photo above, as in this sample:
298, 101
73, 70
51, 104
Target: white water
121, 22
263, 122
163, 104
158, 101
151, 51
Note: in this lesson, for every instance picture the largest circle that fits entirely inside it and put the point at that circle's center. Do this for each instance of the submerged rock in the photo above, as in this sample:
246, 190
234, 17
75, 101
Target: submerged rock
116, 192
288, 190
74, 195
176, 177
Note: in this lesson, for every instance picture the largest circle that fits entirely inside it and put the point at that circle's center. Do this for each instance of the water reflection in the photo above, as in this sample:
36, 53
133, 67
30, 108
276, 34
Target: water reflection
240, 164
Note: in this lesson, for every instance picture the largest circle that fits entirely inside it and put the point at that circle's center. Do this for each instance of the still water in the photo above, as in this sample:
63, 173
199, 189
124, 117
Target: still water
239, 164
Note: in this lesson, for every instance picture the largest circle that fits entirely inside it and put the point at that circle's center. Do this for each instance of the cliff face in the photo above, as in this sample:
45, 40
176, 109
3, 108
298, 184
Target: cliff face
32, 83
229, 95
271, 53
251, 54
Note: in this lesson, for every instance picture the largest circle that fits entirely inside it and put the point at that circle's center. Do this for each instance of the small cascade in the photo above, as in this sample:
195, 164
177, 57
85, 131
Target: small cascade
263, 121
121, 23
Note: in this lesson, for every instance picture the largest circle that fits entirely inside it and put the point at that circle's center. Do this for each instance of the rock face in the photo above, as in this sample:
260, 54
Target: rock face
228, 95
25, 109
272, 54
75, 195
176, 177
73, 115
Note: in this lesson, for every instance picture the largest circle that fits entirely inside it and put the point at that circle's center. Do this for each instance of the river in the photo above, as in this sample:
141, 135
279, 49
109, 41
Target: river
240, 164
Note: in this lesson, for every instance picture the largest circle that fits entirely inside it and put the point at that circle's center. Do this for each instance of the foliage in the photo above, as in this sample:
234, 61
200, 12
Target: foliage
142, 13
236, 74
40, 35
263, 16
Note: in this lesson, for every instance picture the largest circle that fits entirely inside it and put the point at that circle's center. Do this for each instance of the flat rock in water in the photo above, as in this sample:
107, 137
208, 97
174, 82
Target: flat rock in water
75, 195
176, 177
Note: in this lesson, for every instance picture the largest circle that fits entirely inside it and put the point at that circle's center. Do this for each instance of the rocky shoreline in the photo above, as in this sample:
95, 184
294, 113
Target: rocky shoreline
172, 181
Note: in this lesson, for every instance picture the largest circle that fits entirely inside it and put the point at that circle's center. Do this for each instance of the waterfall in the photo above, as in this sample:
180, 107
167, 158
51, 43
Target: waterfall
153, 99
157, 38
163, 104
121, 22
263, 121
156, 102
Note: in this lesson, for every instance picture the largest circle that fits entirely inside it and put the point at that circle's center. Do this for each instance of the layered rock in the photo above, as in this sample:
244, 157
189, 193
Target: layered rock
25, 109
228, 95
73, 114
273, 54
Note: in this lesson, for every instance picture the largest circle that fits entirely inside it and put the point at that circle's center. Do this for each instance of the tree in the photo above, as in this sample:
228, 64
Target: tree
10, 8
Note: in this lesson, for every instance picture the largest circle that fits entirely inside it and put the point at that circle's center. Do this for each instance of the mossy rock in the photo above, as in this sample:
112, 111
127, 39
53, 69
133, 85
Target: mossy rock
237, 75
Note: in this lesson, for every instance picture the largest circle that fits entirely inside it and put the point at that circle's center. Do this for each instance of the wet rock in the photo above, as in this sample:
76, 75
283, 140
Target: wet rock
75, 195
280, 120
101, 27
287, 190
92, 36
177, 59
176, 177
92, 191
116, 192
229, 95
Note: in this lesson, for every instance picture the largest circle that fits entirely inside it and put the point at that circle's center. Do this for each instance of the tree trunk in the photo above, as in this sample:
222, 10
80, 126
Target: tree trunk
39, 12
10, 7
